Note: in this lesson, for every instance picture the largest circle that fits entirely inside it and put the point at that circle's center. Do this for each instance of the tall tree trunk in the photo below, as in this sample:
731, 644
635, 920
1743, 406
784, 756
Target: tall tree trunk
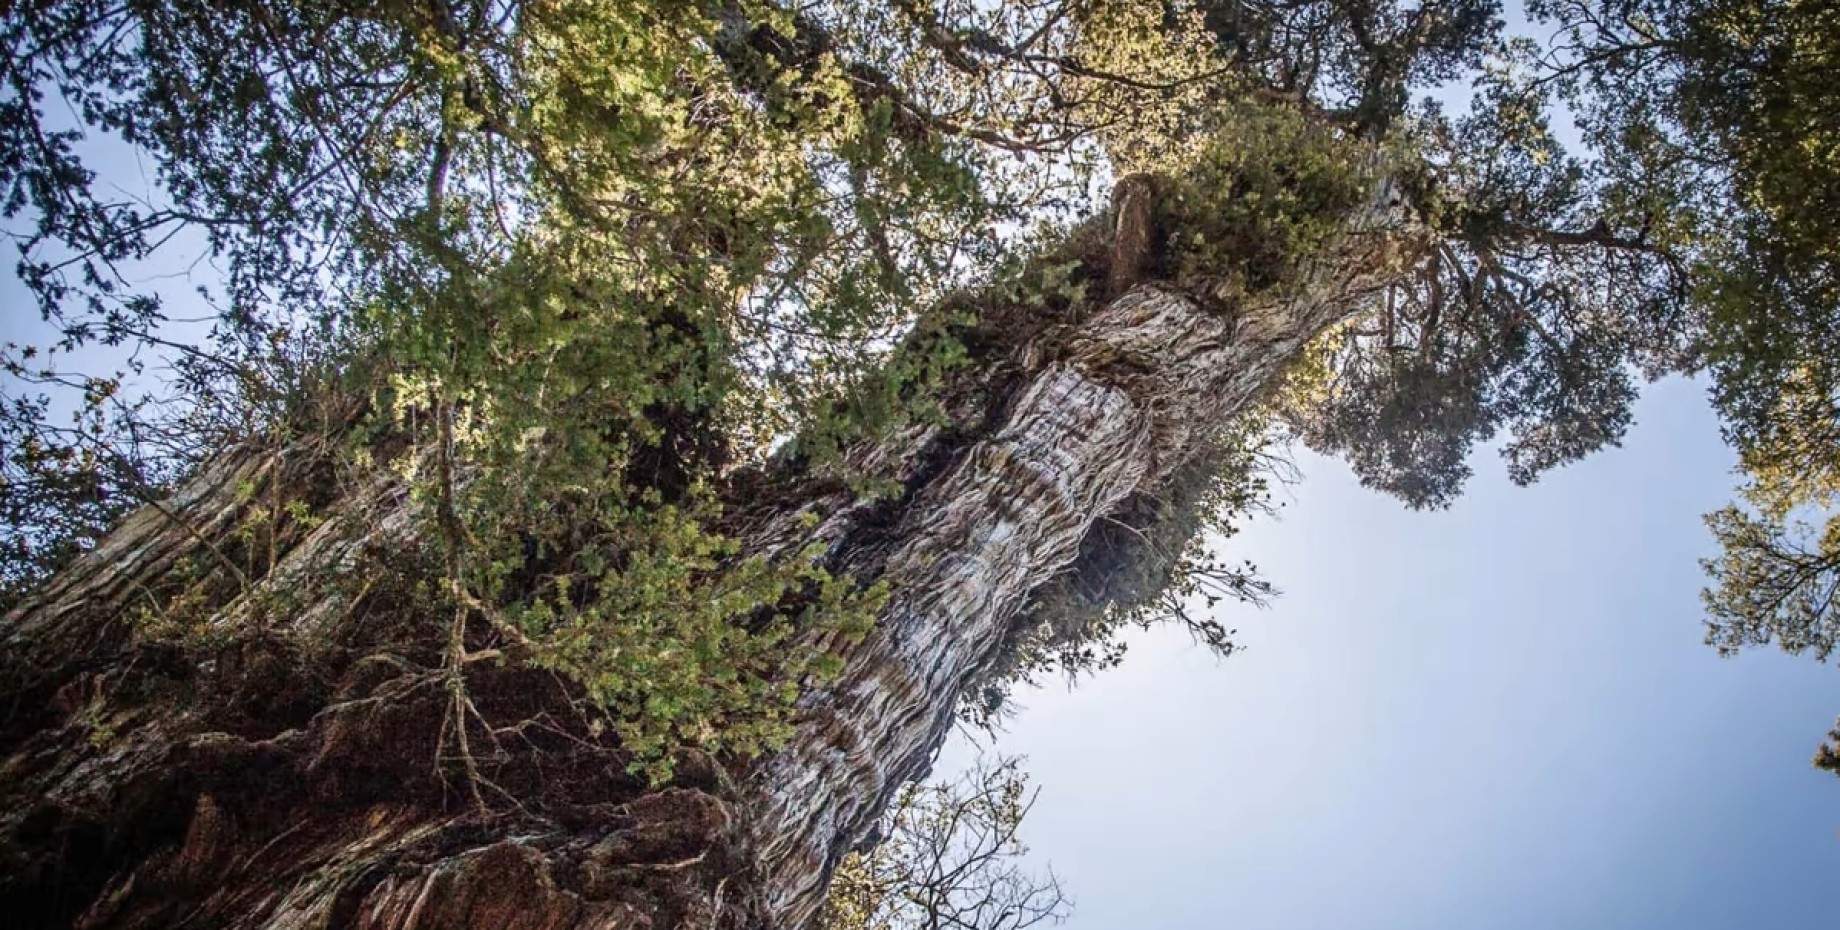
287, 774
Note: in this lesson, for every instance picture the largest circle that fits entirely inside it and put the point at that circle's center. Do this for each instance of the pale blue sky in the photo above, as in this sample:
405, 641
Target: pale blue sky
1496, 717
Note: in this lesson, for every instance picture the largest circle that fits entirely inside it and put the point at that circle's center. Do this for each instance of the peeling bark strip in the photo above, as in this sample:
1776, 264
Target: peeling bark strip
288, 777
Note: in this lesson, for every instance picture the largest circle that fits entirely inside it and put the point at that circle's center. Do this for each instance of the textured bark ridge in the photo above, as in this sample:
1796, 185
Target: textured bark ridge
287, 775
1113, 409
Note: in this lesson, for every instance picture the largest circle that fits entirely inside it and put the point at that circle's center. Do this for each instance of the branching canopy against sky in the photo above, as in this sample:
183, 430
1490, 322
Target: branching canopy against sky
601, 283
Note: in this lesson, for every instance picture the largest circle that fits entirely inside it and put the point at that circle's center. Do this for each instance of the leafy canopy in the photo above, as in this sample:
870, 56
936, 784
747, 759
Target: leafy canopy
569, 267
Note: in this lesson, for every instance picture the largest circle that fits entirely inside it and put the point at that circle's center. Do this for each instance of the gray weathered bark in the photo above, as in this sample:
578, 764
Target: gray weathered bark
288, 779
1141, 389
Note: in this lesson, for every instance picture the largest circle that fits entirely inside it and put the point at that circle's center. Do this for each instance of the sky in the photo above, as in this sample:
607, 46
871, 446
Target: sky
1496, 717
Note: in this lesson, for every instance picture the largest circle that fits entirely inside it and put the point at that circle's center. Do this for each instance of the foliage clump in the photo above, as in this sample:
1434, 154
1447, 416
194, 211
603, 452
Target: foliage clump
686, 643
1266, 192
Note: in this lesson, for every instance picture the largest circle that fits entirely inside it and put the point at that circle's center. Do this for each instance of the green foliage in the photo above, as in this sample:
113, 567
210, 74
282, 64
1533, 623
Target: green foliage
657, 645
1533, 315
1719, 114
183, 611
908, 387
1759, 84
1717, 123
1267, 190
1774, 586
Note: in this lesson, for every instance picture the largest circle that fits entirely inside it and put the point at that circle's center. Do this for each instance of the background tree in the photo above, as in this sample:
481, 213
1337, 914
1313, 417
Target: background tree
1718, 118
946, 856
